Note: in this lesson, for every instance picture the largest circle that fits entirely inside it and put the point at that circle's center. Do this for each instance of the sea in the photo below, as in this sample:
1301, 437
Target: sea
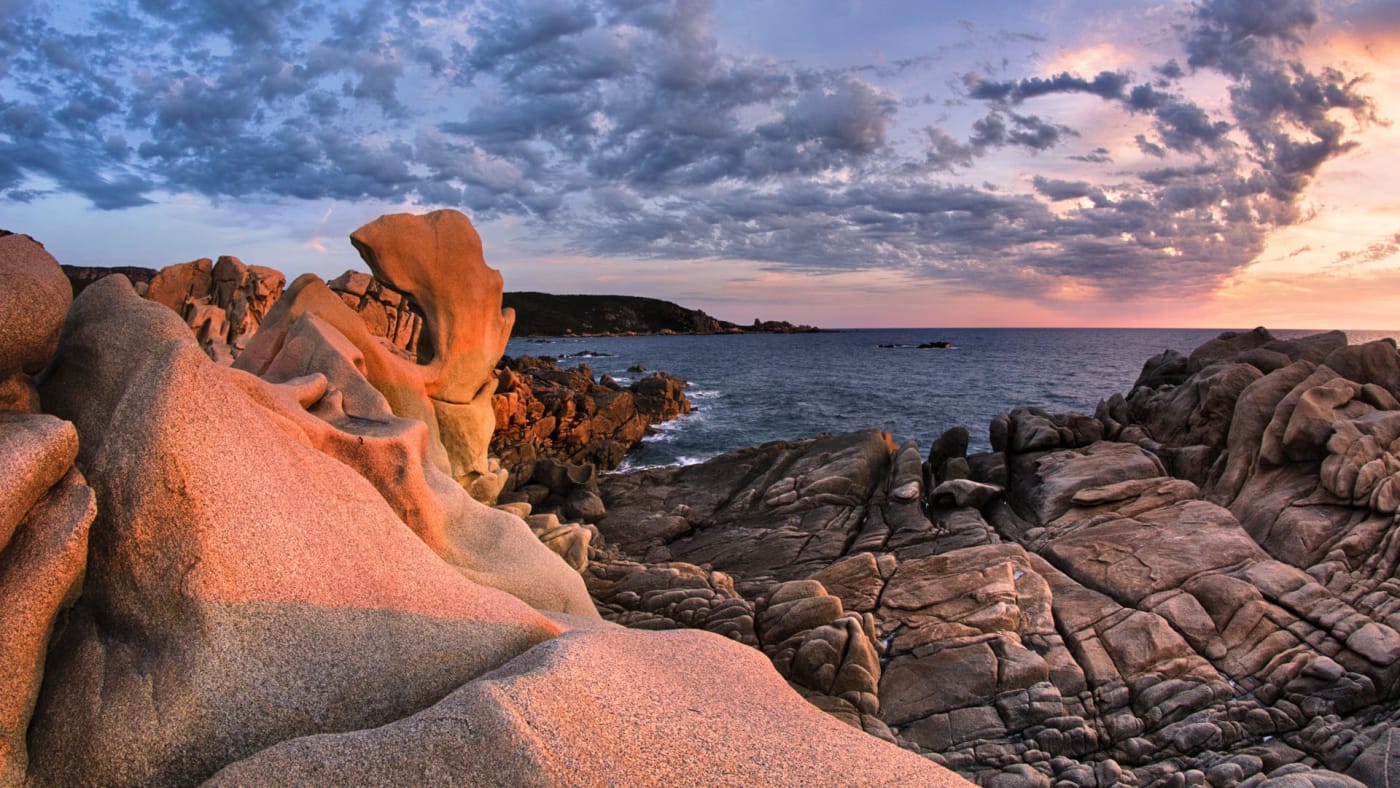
748, 389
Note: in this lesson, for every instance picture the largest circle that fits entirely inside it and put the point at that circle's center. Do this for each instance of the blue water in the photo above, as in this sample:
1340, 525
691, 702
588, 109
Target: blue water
751, 388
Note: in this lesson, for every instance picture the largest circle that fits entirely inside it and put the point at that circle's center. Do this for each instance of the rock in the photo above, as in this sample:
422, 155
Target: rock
965, 492
197, 587
33, 301
753, 511
1225, 347
1047, 483
45, 513
386, 313
568, 540
857, 580
585, 505
547, 414
1168, 368
1374, 362
177, 286
223, 302
952, 443
565, 714
436, 261
1263, 359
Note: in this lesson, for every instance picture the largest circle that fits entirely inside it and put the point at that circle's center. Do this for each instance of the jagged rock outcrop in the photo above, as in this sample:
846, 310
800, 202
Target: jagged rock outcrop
223, 302
385, 311
543, 412
1195, 584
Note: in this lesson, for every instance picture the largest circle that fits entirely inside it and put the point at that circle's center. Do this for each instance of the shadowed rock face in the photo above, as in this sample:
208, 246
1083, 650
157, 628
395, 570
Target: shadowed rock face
1197, 583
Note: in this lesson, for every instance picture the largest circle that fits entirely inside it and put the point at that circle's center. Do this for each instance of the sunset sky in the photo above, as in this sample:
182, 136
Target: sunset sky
1224, 163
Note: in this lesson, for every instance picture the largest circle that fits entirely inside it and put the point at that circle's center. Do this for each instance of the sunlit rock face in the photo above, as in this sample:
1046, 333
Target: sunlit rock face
435, 261
248, 579
223, 302
262, 578
46, 507
1194, 584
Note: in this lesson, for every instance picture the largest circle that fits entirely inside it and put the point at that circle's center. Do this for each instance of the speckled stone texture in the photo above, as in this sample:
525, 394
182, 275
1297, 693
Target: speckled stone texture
35, 296
606, 707
242, 588
45, 512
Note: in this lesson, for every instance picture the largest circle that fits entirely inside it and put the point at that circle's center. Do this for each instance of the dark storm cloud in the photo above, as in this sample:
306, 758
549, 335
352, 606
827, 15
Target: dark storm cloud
1057, 189
1234, 35
1028, 131
625, 127
1107, 84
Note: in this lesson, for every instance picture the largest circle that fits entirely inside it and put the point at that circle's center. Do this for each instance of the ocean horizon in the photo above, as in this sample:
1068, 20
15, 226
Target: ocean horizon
749, 389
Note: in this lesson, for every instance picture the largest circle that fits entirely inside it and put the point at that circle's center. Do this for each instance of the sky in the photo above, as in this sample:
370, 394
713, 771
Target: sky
844, 163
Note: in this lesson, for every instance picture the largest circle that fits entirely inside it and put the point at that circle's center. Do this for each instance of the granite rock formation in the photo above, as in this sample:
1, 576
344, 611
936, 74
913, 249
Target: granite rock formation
544, 412
1194, 585
435, 261
223, 301
386, 312
216, 575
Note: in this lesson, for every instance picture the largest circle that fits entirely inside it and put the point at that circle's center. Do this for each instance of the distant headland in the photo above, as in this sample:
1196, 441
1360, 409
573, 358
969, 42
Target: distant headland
550, 315
543, 314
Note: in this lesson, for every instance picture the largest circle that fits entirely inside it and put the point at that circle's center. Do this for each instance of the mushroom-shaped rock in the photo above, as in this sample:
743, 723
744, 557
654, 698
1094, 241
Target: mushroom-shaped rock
436, 260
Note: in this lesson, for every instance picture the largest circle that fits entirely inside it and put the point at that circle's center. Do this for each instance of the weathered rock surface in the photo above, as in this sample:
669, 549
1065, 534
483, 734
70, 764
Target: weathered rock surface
271, 580
223, 302
386, 312
543, 412
606, 707
33, 301
436, 261
45, 512
208, 628
1196, 584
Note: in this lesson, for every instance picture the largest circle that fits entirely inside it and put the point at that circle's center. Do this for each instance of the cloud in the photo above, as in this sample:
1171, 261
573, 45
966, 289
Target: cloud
1057, 189
1374, 252
1106, 84
629, 128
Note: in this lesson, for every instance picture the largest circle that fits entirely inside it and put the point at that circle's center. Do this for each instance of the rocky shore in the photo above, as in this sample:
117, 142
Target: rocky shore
328, 534
1194, 585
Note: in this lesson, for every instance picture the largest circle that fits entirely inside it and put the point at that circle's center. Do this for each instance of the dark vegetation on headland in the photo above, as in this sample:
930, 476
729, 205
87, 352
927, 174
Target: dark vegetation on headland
544, 314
